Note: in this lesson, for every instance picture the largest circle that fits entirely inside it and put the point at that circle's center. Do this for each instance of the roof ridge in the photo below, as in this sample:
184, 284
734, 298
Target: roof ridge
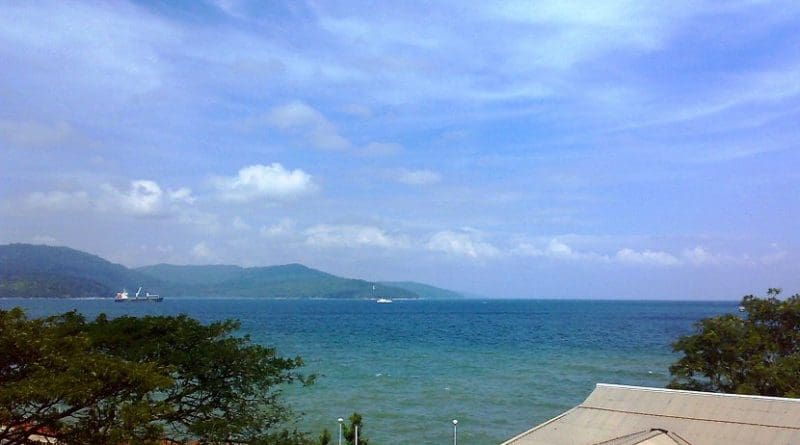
699, 393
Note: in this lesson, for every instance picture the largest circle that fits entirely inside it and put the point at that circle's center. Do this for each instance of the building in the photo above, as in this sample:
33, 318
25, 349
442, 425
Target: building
631, 415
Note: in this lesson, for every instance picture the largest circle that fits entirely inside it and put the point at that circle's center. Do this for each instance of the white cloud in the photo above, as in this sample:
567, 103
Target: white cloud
560, 250
463, 243
282, 228
300, 118
646, 257
557, 249
183, 194
143, 198
699, 256
264, 182
353, 236
418, 177
577, 31
59, 200
201, 251
30, 134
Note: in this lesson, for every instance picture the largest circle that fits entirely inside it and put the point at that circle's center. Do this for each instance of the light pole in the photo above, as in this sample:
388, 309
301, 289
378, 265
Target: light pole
455, 432
356, 441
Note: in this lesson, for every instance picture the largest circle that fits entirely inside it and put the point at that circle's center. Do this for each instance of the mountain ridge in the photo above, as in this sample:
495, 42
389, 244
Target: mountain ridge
28, 270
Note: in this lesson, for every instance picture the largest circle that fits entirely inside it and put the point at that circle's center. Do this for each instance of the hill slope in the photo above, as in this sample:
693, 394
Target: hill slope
425, 290
44, 271
191, 275
287, 281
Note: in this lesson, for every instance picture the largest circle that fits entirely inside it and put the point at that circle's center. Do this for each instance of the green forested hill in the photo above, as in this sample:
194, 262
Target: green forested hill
44, 271
287, 281
192, 275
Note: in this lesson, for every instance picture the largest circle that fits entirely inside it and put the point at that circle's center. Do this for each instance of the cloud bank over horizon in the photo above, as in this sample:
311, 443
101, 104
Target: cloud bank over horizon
513, 149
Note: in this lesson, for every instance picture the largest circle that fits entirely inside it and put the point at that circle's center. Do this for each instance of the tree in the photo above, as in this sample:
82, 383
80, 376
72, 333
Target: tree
350, 430
756, 353
139, 380
324, 437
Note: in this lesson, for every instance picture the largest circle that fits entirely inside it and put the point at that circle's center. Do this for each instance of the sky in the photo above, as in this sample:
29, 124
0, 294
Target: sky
542, 149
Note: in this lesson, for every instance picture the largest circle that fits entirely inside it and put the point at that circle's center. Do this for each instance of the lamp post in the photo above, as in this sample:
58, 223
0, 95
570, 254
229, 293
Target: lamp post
356, 441
340, 420
455, 432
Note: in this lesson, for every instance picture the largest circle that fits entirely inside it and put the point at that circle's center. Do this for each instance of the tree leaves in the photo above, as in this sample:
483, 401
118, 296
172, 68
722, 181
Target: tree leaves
138, 380
758, 353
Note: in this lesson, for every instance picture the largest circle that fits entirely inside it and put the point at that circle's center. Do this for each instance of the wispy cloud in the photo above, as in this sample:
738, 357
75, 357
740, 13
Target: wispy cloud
202, 252
646, 257
697, 256
282, 228
305, 121
417, 177
563, 35
31, 134
353, 236
240, 224
143, 198
59, 200
114, 54
556, 249
465, 243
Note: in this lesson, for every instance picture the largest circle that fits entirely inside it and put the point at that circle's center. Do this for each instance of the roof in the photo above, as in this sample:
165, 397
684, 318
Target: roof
632, 415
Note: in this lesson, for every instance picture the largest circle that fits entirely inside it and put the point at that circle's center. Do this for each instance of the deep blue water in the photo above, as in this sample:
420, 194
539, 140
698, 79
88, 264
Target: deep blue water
498, 366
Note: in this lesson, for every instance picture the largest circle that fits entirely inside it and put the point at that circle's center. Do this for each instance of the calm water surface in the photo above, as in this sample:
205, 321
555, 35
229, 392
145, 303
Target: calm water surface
498, 366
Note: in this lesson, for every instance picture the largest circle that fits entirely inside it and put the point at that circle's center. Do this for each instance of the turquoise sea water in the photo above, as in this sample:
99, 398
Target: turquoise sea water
498, 366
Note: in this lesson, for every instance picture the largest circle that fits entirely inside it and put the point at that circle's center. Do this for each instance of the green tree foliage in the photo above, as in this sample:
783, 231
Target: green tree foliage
350, 430
137, 380
324, 437
756, 353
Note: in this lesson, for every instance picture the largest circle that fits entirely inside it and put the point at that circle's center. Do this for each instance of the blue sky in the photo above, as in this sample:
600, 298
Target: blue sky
618, 149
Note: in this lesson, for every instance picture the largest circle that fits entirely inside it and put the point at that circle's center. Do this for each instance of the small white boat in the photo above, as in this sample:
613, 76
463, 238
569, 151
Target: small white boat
380, 300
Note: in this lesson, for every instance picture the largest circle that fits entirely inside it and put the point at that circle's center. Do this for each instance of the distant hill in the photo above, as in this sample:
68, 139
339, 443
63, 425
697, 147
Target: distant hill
287, 281
192, 275
425, 290
44, 271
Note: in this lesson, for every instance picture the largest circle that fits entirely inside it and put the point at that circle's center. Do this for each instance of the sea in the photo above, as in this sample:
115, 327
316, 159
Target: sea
410, 368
